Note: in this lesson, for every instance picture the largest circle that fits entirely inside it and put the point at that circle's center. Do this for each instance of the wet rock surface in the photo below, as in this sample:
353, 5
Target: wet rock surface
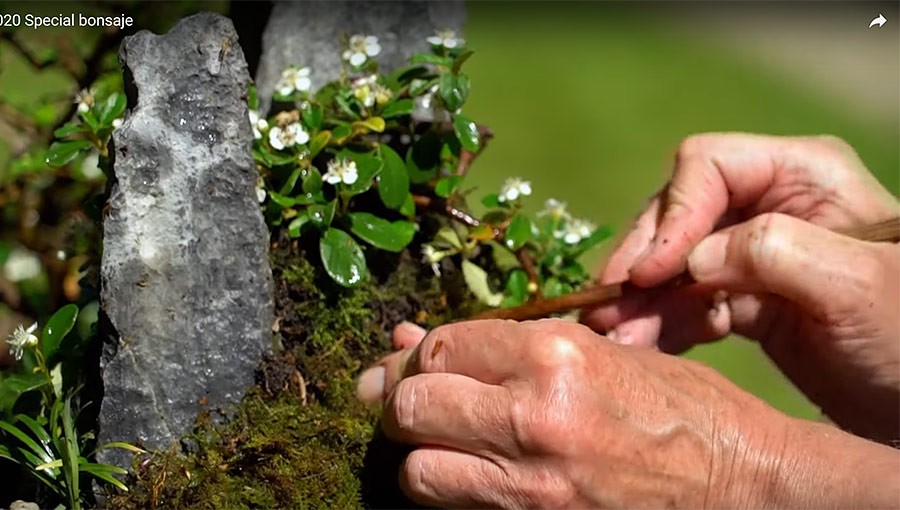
309, 34
186, 284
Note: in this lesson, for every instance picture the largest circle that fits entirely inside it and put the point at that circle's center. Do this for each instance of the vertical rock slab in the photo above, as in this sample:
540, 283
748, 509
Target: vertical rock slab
308, 34
186, 283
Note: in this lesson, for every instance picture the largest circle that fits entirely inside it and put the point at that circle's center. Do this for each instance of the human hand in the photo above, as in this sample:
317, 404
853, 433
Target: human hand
549, 414
823, 306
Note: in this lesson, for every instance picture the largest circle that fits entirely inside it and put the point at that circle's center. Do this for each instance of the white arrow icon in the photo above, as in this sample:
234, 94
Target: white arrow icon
878, 21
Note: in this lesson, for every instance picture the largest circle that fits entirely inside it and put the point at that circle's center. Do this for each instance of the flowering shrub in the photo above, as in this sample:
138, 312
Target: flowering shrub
45, 441
361, 161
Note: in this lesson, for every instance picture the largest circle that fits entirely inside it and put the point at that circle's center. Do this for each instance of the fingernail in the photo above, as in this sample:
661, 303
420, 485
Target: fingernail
370, 387
411, 329
708, 257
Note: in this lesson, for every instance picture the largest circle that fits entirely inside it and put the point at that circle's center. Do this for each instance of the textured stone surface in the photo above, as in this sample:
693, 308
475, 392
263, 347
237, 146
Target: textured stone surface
308, 34
186, 284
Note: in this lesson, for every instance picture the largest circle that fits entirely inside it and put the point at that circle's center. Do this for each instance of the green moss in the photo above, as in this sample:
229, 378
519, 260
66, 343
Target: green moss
300, 438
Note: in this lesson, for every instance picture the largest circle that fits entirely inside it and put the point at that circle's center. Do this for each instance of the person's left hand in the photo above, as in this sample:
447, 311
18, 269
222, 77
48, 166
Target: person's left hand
550, 414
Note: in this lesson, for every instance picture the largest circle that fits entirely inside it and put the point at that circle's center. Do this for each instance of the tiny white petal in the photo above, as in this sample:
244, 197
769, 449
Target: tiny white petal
275, 138
435, 40
358, 59
304, 84
351, 175
260, 195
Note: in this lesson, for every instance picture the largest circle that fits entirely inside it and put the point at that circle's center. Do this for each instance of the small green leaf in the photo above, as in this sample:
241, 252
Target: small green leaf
554, 287
313, 116
467, 132
91, 120
453, 89
408, 208
449, 236
393, 182
447, 185
70, 129
60, 153
381, 233
341, 132
112, 108
56, 330
291, 182
375, 124
518, 232
516, 287
598, 236
460, 60
417, 87
492, 200
477, 280
342, 257
368, 165
319, 142
312, 183
298, 224
430, 58
397, 108
104, 474
405, 74
253, 98
321, 215
423, 159
288, 202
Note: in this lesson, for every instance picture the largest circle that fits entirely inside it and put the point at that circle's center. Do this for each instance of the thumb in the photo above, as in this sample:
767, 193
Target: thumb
824, 272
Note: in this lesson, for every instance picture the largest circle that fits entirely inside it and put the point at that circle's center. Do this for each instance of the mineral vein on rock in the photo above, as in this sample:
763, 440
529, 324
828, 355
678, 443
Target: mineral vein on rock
186, 284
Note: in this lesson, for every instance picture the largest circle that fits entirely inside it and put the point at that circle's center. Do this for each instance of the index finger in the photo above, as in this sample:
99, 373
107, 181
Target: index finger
490, 351
713, 173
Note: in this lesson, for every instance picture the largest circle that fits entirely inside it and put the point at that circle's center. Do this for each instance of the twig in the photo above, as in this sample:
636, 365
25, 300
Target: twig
884, 231
25, 52
444, 206
467, 157
528, 265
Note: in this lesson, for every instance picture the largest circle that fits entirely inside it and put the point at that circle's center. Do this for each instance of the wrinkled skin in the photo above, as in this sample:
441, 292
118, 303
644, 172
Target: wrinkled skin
746, 215
550, 414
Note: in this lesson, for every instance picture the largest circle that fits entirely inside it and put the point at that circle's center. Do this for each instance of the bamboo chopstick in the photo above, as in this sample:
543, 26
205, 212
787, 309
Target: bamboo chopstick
883, 231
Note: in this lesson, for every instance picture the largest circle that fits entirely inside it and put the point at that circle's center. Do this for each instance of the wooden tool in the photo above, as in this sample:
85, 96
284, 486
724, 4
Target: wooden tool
884, 231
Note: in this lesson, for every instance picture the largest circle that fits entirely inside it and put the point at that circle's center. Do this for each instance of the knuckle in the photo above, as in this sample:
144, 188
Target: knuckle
765, 240
694, 144
406, 406
547, 489
414, 473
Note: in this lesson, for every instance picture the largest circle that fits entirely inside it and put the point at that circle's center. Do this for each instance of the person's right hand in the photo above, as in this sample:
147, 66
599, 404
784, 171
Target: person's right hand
747, 216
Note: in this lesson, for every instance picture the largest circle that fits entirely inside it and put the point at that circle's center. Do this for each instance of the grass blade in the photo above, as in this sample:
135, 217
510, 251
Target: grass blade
26, 439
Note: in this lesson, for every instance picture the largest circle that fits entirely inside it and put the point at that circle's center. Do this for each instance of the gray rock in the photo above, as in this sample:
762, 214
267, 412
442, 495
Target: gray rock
308, 34
186, 284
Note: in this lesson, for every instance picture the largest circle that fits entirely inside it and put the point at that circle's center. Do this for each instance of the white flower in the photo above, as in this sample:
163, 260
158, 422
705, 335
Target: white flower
575, 230
555, 209
259, 125
341, 170
117, 123
364, 95
513, 188
20, 339
446, 38
85, 100
291, 135
361, 48
432, 257
294, 79
260, 195
21, 265
61, 254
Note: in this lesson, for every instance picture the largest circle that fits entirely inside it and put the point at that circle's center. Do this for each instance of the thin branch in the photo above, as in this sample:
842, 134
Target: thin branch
528, 265
25, 52
444, 206
467, 157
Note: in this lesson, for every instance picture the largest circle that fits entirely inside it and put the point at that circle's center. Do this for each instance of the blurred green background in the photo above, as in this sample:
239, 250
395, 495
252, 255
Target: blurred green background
590, 100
